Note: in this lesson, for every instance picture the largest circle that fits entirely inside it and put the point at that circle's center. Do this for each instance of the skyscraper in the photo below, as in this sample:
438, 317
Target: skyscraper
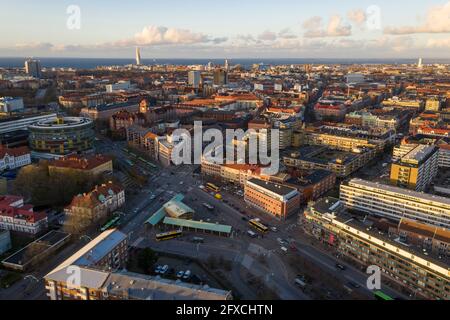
194, 78
138, 56
420, 63
33, 68
227, 66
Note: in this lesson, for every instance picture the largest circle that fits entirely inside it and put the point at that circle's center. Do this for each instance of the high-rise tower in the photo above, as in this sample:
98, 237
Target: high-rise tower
138, 56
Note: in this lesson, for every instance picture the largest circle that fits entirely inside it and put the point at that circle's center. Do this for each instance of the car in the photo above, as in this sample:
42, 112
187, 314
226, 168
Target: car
244, 218
284, 249
187, 274
180, 274
181, 183
274, 229
340, 266
164, 269
157, 269
152, 197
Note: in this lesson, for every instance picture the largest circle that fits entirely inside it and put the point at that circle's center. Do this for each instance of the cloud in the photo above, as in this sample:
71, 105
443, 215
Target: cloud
267, 36
357, 16
286, 34
436, 21
438, 43
335, 28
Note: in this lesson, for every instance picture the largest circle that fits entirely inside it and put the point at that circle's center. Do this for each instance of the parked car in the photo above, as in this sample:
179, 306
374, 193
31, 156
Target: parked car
164, 269
180, 274
157, 269
187, 274
340, 266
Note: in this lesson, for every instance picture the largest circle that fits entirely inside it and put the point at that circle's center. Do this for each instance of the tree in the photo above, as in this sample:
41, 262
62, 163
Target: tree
146, 258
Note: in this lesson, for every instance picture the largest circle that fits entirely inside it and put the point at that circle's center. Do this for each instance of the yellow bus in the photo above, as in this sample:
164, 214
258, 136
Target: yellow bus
258, 226
169, 235
212, 187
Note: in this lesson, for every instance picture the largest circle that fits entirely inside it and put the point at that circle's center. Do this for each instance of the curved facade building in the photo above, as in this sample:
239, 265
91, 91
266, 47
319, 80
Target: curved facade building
62, 135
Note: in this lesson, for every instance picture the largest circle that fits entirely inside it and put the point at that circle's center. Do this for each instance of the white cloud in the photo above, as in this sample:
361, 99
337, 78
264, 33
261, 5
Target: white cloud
357, 16
438, 43
335, 28
436, 21
268, 36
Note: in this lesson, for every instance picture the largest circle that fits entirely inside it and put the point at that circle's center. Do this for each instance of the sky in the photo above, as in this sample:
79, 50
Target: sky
226, 29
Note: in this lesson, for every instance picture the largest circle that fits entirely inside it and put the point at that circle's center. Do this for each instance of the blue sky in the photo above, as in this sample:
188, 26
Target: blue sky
235, 28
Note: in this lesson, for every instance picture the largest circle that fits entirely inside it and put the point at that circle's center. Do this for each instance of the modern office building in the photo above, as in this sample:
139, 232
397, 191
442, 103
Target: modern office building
16, 123
417, 168
276, 199
395, 203
194, 78
33, 68
61, 136
220, 77
425, 276
10, 104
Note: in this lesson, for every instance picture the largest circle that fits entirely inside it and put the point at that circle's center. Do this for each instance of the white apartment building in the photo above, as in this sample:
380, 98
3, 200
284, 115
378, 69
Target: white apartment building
395, 203
12, 158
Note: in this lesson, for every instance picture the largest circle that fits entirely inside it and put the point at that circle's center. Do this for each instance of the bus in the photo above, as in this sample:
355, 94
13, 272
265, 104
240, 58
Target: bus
258, 226
111, 224
169, 235
379, 295
212, 187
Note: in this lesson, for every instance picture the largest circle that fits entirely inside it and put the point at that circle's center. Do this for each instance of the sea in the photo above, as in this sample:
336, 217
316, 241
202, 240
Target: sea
92, 63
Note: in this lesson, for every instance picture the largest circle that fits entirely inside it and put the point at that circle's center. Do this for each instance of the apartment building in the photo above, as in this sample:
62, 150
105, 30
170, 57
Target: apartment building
417, 168
395, 203
13, 158
422, 275
275, 199
98, 203
17, 216
90, 165
107, 252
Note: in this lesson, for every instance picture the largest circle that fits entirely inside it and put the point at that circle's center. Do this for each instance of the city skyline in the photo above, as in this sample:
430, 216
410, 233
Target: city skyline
173, 29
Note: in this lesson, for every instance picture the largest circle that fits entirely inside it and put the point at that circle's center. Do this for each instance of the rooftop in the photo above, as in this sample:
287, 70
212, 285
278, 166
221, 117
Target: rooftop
279, 189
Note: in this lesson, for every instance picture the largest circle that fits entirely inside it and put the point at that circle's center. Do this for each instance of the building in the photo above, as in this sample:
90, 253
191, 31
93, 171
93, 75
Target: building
332, 111
342, 163
37, 251
98, 203
138, 56
123, 285
90, 165
121, 85
107, 252
395, 203
17, 216
275, 199
220, 77
435, 240
33, 68
444, 156
15, 123
121, 120
194, 78
311, 184
416, 169
105, 111
360, 243
10, 104
5, 241
13, 158
347, 138
61, 136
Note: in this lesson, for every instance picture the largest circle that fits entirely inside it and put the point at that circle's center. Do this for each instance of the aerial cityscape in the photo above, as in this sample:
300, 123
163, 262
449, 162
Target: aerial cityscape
207, 158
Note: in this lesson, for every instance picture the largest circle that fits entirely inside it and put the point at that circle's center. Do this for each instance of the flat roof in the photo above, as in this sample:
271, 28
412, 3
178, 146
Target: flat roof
409, 193
198, 225
277, 188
